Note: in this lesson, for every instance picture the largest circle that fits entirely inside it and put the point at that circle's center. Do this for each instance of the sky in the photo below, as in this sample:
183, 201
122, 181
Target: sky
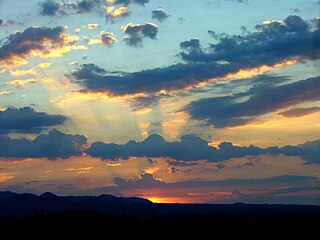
208, 101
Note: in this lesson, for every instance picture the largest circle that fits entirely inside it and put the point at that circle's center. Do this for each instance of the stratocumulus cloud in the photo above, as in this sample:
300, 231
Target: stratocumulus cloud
27, 120
193, 148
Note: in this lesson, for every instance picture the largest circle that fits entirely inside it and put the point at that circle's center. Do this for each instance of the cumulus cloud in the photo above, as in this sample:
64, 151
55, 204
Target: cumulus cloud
113, 13
42, 41
135, 33
92, 26
27, 120
193, 148
234, 111
86, 5
271, 44
53, 145
49, 8
298, 112
159, 14
104, 38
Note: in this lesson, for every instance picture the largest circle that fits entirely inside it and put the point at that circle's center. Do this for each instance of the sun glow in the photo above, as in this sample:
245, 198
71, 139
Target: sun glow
167, 200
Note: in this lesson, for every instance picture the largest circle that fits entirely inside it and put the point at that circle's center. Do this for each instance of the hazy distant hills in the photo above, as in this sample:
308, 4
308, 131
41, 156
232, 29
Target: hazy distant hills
20, 205
26, 205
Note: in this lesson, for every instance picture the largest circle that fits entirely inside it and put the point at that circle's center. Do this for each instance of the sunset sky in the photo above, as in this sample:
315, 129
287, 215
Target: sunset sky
208, 101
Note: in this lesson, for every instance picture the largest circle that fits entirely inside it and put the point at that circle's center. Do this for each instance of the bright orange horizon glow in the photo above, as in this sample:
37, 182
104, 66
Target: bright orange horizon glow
168, 200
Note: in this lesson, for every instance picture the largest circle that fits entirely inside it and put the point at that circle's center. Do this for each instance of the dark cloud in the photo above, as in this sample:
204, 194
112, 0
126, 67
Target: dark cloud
18, 46
135, 33
242, 108
49, 8
53, 145
174, 77
27, 120
193, 148
298, 112
272, 43
159, 14
86, 5
1, 21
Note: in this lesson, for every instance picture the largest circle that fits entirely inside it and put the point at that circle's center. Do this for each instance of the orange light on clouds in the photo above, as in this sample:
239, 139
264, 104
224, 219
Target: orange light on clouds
44, 65
5, 93
113, 164
61, 51
22, 72
4, 177
20, 82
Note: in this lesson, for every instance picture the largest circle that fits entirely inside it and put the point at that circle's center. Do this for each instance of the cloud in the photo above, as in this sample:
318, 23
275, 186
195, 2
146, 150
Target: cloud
152, 81
135, 33
127, 2
155, 127
1, 21
260, 51
22, 72
193, 148
181, 163
27, 120
104, 38
243, 108
272, 42
92, 26
159, 14
53, 145
49, 8
41, 41
86, 5
20, 82
298, 112
113, 13
5, 93
44, 65
147, 181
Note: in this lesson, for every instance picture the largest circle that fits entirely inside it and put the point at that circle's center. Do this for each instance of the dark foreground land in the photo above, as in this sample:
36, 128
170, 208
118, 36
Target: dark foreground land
20, 213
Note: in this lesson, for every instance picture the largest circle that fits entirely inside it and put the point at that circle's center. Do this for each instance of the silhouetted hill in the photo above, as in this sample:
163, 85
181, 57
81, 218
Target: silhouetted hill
23, 205
49, 211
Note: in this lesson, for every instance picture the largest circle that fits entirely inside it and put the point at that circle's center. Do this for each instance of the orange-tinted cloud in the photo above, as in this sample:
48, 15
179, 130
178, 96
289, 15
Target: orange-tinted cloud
39, 41
20, 82
22, 72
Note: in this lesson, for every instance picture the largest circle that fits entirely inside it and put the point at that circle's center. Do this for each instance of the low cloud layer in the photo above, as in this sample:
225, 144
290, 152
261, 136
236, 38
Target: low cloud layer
53, 145
27, 120
193, 148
